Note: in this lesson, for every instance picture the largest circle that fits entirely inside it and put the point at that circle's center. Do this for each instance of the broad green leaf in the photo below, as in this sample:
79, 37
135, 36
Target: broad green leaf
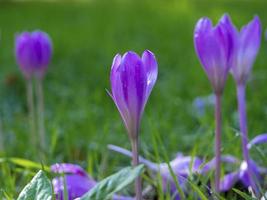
114, 183
39, 188
244, 195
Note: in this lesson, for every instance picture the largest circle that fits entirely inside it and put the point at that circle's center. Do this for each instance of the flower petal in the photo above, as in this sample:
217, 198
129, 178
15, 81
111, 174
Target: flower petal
260, 139
68, 168
151, 70
228, 181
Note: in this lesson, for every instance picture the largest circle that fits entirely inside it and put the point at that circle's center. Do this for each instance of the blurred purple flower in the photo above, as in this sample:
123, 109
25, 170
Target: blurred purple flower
77, 181
200, 104
246, 47
214, 46
132, 79
242, 175
33, 53
181, 165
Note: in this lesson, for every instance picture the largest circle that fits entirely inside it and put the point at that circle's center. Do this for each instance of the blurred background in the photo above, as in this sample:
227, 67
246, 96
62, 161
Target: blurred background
81, 118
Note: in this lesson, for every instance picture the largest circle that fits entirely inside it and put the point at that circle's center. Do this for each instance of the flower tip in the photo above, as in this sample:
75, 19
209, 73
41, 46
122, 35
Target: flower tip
226, 19
148, 53
204, 24
116, 61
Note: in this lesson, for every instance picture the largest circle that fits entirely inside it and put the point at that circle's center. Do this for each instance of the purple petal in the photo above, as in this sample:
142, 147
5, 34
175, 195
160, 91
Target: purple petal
225, 158
248, 46
260, 139
78, 182
244, 176
228, 181
68, 168
151, 68
134, 82
76, 186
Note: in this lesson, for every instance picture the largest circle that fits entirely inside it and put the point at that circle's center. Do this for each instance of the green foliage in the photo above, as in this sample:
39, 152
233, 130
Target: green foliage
39, 188
243, 194
114, 183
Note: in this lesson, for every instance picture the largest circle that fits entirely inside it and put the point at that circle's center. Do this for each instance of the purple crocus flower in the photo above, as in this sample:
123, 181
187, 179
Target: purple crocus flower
214, 46
132, 79
247, 44
77, 182
33, 53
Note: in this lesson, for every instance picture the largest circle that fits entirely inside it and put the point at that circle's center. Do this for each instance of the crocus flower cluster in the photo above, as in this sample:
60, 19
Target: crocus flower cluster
220, 49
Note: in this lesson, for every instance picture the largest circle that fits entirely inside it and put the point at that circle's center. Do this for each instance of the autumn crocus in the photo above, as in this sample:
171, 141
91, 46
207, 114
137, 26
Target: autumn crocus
214, 47
33, 54
247, 44
132, 79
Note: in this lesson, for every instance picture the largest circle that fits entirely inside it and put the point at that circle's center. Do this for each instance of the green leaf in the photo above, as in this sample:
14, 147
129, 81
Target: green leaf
114, 183
27, 163
196, 188
244, 195
39, 188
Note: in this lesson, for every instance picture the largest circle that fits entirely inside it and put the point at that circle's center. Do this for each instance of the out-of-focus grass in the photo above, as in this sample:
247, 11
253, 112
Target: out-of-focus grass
81, 118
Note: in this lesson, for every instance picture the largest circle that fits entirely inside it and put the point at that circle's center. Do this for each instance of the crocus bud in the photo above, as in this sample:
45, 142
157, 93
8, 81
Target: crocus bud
214, 47
33, 53
132, 79
247, 43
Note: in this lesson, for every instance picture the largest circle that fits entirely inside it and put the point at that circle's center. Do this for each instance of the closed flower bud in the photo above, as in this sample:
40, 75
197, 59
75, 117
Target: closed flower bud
33, 53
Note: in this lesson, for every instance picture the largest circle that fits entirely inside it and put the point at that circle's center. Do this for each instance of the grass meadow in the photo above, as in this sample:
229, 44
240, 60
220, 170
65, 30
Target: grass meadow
81, 119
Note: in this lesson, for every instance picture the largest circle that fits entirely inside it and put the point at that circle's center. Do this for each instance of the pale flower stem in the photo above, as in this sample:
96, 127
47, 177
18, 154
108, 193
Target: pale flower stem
31, 111
40, 111
241, 97
218, 142
138, 184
